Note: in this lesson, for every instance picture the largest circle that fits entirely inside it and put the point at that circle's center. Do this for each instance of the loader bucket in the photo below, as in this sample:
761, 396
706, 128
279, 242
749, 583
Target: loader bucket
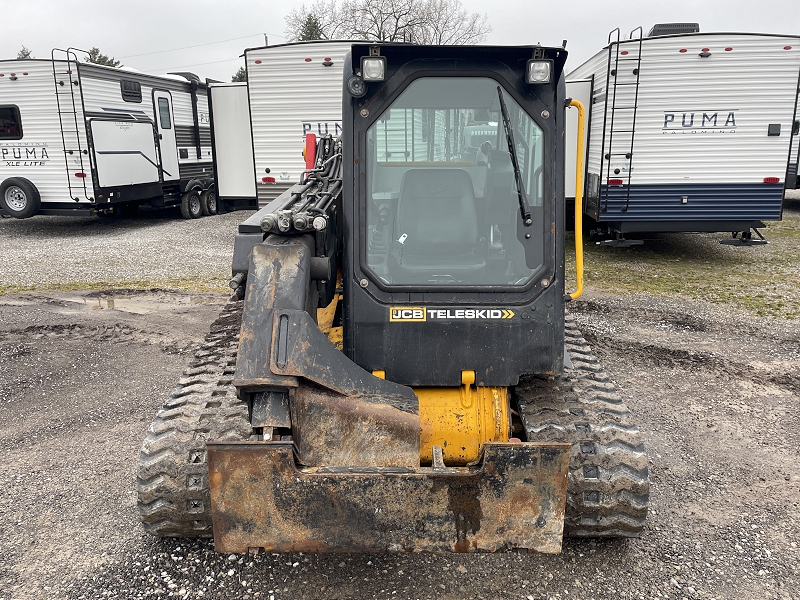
513, 497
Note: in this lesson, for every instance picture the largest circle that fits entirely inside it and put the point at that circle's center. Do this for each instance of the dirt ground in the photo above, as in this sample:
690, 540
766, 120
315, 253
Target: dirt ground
715, 391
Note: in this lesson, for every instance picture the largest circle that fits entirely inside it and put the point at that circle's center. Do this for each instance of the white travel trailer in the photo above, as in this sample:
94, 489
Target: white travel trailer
79, 138
689, 132
292, 90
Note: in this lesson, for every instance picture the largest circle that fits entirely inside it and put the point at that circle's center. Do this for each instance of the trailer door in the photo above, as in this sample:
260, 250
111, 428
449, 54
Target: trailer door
233, 141
168, 146
793, 172
580, 90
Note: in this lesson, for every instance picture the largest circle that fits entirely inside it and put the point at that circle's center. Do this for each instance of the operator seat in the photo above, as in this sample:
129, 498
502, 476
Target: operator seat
501, 194
436, 229
503, 216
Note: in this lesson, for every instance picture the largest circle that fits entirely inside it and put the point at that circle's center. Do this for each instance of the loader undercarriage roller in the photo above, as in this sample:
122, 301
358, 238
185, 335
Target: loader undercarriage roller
607, 486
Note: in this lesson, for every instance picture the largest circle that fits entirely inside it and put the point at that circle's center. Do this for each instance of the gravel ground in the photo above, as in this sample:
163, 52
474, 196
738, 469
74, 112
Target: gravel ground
714, 387
157, 248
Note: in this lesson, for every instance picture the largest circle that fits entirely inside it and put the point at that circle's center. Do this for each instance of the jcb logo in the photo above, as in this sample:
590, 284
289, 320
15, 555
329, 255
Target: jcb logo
407, 314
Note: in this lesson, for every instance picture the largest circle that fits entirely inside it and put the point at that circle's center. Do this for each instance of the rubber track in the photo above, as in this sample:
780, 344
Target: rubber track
173, 476
608, 487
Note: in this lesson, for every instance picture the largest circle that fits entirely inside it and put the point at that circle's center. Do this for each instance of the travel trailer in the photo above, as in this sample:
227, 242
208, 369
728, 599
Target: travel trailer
259, 128
689, 131
78, 138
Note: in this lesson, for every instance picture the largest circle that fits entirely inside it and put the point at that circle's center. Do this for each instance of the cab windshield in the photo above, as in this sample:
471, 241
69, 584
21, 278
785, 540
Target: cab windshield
443, 205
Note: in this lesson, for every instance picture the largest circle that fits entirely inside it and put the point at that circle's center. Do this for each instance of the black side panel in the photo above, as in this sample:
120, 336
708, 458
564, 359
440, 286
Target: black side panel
127, 193
188, 136
196, 170
195, 118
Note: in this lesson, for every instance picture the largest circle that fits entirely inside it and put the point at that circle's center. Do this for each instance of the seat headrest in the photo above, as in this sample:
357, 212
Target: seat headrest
433, 183
500, 161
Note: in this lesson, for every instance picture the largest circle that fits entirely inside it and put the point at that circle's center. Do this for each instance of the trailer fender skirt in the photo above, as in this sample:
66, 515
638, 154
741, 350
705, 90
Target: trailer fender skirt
194, 184
513, 497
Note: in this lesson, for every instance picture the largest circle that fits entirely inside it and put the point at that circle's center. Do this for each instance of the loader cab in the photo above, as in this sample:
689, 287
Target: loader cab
453, 208
439, 214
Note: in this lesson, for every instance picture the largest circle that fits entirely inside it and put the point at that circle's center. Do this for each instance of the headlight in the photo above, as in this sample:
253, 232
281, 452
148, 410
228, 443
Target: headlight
356, 86
539, 71
373, 68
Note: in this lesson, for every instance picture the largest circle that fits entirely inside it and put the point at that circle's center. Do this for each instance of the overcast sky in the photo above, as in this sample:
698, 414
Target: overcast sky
153, 35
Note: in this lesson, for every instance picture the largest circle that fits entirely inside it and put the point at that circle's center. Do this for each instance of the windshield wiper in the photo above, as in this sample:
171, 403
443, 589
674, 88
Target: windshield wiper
524, 207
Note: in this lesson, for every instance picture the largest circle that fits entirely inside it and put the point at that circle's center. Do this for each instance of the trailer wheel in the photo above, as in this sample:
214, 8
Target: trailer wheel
19, 197
191, 205
209, 202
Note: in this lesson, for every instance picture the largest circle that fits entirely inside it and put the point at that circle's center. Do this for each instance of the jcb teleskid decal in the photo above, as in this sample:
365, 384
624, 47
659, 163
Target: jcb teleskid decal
417, 314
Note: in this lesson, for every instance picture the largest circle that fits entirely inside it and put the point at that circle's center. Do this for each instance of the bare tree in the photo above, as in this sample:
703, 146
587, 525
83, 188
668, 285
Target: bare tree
418, 21
384, 21
446, 23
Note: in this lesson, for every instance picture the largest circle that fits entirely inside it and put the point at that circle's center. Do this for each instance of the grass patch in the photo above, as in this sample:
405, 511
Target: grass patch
13, 289
206, 284
761, 279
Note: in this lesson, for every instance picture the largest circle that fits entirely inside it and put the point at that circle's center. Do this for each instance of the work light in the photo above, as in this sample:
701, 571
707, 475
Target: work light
373, 68
539, 71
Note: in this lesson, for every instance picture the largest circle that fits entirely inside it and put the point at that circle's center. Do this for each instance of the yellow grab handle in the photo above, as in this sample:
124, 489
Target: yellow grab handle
579, 203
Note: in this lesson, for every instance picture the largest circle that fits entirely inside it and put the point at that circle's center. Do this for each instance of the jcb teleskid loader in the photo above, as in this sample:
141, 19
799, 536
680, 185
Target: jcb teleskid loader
400, 374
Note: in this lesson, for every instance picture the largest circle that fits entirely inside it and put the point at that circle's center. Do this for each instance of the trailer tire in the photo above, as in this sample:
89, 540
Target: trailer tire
19, 197
191, 205
209, 202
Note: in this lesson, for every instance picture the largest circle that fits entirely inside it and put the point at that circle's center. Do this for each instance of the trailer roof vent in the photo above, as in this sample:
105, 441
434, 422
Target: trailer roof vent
673, 29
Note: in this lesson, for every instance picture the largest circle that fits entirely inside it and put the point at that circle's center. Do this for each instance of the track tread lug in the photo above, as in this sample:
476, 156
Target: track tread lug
608, 486
172, 483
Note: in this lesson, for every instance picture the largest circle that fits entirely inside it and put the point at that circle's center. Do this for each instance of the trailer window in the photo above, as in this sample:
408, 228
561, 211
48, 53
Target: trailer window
163, 113
131, 90
10, 123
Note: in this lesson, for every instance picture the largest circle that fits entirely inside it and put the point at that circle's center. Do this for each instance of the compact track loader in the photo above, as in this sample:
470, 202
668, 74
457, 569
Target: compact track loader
396, 371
